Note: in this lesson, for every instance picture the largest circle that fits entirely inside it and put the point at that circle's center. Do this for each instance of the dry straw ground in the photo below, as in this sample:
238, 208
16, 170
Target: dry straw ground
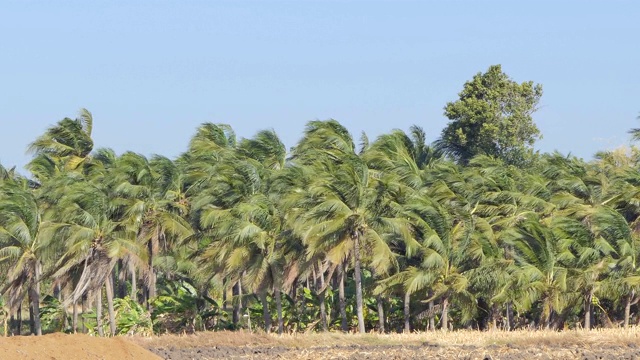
588, 345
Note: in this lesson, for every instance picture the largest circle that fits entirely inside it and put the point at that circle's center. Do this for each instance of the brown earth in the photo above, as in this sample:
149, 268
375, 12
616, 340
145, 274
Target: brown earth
472, 345
399, 352
71, 347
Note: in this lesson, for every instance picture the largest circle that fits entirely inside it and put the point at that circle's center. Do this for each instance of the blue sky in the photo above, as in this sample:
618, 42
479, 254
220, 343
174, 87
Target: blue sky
152, 71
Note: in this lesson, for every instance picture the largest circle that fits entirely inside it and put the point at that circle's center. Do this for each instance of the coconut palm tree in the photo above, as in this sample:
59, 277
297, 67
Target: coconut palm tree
24, 245
63, 147
93, 240
345, 215
149, 195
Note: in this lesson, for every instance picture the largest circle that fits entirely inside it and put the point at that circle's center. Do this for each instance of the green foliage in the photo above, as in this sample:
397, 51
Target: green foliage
176, 243
53, 315
179, 308
492, 117
132, 318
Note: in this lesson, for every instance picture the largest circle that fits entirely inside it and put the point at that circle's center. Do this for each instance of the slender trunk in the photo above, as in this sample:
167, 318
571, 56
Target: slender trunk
19, 320
321, 299
134, 283
152, 273
494, 316
380, 313
224, 295
341, 300
99, 312
83, 306
587, 310
35, 297
279, 310
445, 314
315, 278
57, 292
627, 309
358, 278
74, 321
407, 312
509, 316
121, 283
546, 314
32, 328
266, 314
237, 303
432, 316
112, 317
294, 298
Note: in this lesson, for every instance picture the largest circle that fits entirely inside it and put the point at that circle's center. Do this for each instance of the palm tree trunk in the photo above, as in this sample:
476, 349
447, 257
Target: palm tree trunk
237, 303
83, 306
358, 278
342, 300
35, 296
266, 314
627, 309
112, 316
321, 298
587, 310
32, 328
122, 280
494, 316
380, 313
6, 324
278, 297
99, 312
224, 294
74, 321
134, 284
152, 273
19, 320
445, 314
509, 316
432, 316
407, 312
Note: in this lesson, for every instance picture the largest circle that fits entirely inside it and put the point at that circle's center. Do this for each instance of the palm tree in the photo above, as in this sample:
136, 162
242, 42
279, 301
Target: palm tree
151, 204
92, 240
344, 215
63, 147
24, 238
542, 254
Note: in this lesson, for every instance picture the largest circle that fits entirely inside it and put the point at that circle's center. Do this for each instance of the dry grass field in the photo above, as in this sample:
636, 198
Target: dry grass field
491, 345
588, 345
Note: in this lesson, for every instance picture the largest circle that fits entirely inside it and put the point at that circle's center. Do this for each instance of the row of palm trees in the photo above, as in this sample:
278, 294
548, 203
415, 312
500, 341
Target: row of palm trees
392, 223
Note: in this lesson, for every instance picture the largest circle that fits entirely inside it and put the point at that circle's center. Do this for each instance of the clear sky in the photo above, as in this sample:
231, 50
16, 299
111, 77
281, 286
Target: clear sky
152, 71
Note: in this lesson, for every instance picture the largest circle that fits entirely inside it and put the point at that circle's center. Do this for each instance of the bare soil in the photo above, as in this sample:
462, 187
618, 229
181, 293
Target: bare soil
602, 344
586, 345
71, 347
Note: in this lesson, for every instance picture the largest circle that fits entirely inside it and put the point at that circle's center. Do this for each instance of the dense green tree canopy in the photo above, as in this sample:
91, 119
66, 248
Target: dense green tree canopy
493, 116
391, 236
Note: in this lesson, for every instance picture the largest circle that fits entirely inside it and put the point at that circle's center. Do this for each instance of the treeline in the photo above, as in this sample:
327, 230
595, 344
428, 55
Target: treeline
390, 235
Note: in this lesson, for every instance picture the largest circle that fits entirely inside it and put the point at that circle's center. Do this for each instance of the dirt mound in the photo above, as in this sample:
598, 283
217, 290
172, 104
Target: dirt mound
71, 347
